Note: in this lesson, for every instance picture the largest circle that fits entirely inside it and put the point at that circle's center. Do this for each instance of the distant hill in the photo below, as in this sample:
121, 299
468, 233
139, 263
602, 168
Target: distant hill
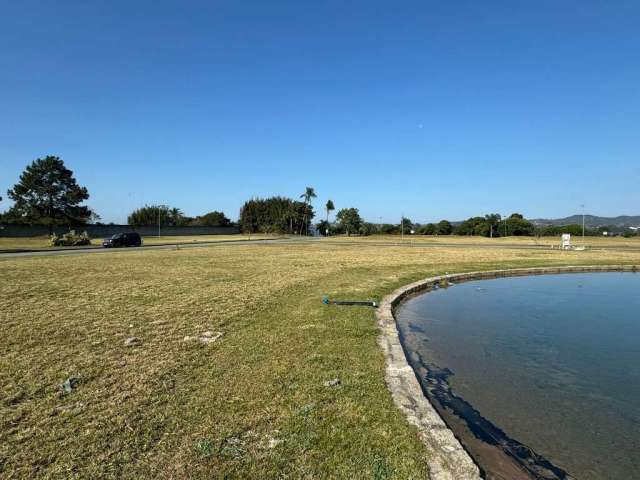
592, 221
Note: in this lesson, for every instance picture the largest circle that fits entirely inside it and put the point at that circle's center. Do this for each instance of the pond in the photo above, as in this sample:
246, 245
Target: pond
538, 376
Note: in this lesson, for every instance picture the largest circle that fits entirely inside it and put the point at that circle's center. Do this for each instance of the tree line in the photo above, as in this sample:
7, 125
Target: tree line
172, 216
48, 194
349, 222
279, 214
493, 225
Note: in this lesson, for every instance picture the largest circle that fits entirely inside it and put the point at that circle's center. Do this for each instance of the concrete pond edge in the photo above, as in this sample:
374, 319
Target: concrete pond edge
448, 460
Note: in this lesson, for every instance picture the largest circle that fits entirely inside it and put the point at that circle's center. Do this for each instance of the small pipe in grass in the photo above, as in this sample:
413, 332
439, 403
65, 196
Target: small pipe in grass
361, 303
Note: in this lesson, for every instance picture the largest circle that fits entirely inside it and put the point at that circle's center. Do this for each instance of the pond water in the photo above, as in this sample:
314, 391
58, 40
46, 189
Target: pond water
538, 376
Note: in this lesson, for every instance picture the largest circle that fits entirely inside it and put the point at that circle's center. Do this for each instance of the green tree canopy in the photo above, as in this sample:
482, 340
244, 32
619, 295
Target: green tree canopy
516, 225
324, 227
486, 226
211, 219
349, 220
473, 226
428, 229
274, 215
177, 217
308, 194
406, 224
329, 207
492, 221
48, 194
444, 227
573, 229
388, 228
152, 214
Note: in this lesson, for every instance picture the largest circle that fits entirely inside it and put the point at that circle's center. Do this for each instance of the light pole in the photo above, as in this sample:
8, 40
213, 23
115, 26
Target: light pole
582, 206
158, 221
402, 228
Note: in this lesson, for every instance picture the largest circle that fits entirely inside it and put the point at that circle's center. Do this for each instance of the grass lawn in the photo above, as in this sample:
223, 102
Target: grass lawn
252, 404
39, 242
595, 242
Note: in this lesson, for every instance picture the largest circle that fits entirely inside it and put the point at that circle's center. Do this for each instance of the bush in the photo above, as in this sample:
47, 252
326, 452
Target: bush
428, 229
70, 239
389, 229
367, 229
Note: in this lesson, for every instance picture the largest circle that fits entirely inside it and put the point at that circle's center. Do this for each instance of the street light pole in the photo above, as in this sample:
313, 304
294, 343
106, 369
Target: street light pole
582, 223
158, 221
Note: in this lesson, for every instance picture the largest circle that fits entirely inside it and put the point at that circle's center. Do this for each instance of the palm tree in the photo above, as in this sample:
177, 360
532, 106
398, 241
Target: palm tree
175, 216
330, 207
307, 195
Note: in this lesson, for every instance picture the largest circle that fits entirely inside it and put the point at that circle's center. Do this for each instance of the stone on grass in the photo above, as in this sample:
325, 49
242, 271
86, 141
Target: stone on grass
77, 406
332, 383
206, 337
273, 442
210, 337
68, 385
132, 342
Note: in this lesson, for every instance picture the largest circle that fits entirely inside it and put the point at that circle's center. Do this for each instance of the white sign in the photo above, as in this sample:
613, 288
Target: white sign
566, 240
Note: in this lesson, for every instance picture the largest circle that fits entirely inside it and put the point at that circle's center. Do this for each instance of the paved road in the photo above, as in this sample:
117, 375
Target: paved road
293, 240
164, 246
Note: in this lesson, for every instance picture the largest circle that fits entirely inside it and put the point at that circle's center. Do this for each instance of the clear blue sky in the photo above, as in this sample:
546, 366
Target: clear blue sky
434, 109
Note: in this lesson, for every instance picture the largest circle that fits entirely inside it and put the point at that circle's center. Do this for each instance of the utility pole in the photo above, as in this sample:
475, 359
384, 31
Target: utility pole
158, 221
582, 223
402, 227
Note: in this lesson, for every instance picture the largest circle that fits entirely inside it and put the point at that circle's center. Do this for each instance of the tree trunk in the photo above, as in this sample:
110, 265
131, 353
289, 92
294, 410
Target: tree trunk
50, 216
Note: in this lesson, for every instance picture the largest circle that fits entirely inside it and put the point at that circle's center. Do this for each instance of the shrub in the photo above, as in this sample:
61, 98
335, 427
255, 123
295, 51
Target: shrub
70, 239
428, 229
367, 228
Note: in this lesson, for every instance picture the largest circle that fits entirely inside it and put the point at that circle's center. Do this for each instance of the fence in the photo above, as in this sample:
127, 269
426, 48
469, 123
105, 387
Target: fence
102, 231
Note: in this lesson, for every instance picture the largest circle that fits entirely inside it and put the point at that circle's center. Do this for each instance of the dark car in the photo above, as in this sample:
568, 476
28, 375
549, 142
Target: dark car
123, 240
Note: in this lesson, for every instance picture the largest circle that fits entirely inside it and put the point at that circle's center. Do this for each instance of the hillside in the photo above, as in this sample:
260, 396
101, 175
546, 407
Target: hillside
592, 221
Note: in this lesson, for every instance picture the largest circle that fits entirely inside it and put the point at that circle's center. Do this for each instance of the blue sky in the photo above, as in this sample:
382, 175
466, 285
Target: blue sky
431, 109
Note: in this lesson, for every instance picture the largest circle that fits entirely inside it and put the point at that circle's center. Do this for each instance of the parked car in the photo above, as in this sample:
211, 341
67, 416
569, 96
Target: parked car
131, 239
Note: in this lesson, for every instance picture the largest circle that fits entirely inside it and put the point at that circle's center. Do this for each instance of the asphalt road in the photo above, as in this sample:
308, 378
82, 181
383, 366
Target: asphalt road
291, 241
164, 246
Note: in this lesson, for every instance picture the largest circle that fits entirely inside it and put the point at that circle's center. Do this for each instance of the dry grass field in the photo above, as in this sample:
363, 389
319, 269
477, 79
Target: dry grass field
589, 242
251, 404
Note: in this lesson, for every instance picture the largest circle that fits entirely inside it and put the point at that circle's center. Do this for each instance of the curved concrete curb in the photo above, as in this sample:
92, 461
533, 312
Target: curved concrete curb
447, 460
